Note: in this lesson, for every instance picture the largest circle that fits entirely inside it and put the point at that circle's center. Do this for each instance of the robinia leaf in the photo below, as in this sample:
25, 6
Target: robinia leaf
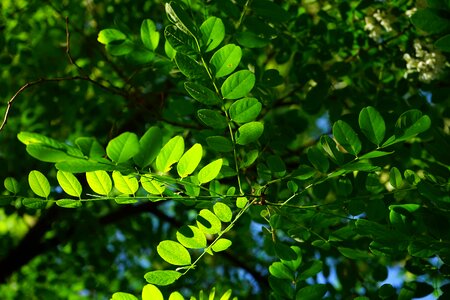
221, 245
123, 296
99, 182
34, 203
241, 202
208, 222
152, 186
107, 36
443, 43
11, 185
69, 183
212, 118
191, 237
213, 33
126, 184
149, 146
123, 147
226, 59
210, 171
190, 160
68, 203
202, 94
245, 110
159, 277
311, 292
149, 35
174, 253
39, 184
238, 84
279, 270
395, 178
249, 133
346, 137
189, 67
219, 143
223, 212
151, 292
170, 154
176, 296
372, 124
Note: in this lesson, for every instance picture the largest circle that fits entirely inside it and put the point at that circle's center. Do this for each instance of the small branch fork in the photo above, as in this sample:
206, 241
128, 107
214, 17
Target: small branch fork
82, 76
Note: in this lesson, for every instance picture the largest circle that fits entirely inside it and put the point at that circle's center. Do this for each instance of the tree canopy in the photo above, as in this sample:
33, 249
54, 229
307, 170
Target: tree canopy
220, 149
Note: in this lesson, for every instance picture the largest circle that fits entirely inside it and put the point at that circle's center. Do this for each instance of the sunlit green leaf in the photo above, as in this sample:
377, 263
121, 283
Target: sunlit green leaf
443, 43
245, 110
395, 178
69, 183
39, 184
249, 133
213, 33
69, 203
34, 203
210, 171
191, 237
179, 40
238, 84
149, 35
83, 165
354, 253
152, 186
11, 185
346, 137
208, 222
221, 245
107, 36
226, 60
123, 296
160, 277
123, 147
174, 253
223, 212
279, 270
190, 160
126, 184
151, 292
149, 146
99, 182
170, 154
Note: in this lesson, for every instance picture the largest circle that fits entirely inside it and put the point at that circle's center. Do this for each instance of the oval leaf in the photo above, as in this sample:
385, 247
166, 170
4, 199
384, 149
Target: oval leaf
149, 146
149, 35
151, 292
191, 237
210, 171
221, 245
107, 36
190, 160
170, 154
123, 296
212, 118
249, 133
123, 147
34, 203
279, 270
238, 84
162, 277
311, 292
39, 184
174, 253
346, 137
372, 125
202, 94
213, 33
99, 182
152, 186
125, 184
11, 185
226, 59
223, 212
69, 183
208, 222
245, 110
69, 203
395, 178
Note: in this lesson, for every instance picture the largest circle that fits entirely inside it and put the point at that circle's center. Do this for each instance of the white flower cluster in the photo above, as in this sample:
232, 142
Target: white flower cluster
427, 62
376, 23
410, 12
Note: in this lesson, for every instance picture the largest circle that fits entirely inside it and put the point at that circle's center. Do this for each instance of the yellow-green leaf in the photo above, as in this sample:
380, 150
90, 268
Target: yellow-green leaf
210, 171
190, 160
39, 184
69, 183
99, 182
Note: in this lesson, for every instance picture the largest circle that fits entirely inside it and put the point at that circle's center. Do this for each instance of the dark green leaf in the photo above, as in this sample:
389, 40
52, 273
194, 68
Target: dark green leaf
430, 20
123, 147
149, 146
238, 84
83, 165
34, 203
249, 39
219, 143
212, 118
11, 185
280, 271
346, 137
208, 222
68, 203
372, 125
354, 253
395, 178
330, 147
178, 16
179, 40
202, 94
310, 270
270, 11
90, 147
311, 292
189, 67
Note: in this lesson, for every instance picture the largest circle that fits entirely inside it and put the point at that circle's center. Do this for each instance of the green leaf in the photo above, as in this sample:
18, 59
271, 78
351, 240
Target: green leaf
213, 33
178, 16
354, 253
202, 94
330, 147
219, 143
90, 147
69, 183
226, 60
191, 237
223, 212
431, 20
212, 118
170, 154
346, 137
176, 296
294, 262
83, 165
11, 185
189, 67
190, 160
310, 270
238, 84
125, 199
245, 110
46, 153
178, 40
276, 164
279, 270
241, 202
69, 203
123, 147
126, 184
270, 11
249, 133
123, 48
149, 35
34, 203
99, 182
374, 154
312, 292
318, 159
208, 222
151, 292
107, 36
221, 245
443, 43
152, 186
39, 184
170, 52
304, 172
174, 253
210, 171
149, 146
395, 178
372, 124
123, 296
165, 277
